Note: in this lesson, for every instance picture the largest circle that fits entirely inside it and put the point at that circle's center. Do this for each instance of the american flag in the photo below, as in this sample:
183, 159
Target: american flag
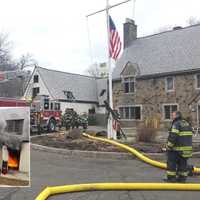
115, 43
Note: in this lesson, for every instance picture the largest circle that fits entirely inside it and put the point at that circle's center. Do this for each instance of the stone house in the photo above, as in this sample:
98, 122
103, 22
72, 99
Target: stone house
158, 74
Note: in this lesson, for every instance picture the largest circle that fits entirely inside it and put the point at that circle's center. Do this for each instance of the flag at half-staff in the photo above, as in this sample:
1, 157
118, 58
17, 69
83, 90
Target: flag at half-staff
114, 48
115, 42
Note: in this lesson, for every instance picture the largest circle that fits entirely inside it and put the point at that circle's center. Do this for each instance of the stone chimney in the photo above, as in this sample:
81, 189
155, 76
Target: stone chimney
130, 32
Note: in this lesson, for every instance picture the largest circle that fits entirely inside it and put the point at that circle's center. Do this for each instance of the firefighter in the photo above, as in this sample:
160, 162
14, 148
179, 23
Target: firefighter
179, 149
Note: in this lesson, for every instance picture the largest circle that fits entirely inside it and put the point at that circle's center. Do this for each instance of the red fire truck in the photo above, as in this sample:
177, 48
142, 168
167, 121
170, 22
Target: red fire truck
45, 114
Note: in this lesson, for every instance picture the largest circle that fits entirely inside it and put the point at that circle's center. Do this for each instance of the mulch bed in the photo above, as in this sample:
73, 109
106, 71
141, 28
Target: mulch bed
84, 144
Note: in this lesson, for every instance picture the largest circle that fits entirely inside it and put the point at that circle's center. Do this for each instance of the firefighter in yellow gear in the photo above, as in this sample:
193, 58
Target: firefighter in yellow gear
179, 149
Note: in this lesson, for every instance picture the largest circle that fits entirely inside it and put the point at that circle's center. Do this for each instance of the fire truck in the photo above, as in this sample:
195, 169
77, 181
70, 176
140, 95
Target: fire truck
45, 114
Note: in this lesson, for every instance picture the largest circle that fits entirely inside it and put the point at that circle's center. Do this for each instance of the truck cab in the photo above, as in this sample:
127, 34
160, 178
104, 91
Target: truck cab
45, 114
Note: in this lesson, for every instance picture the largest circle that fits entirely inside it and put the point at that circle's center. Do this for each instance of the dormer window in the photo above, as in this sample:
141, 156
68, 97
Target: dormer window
69, 95
128, 76
169, 84
129, 84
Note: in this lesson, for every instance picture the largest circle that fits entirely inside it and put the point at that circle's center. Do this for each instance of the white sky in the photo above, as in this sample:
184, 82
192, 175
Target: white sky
55, 31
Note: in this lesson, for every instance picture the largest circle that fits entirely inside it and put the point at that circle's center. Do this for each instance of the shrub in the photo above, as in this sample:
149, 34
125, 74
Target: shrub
146, 134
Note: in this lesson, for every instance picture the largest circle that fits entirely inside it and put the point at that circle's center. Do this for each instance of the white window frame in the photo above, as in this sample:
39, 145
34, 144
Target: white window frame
196, 81
123, 81
166, 84
163, 110
137, 105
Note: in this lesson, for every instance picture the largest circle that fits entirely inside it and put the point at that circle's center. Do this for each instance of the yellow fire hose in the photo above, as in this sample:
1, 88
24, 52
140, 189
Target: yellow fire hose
135, 152
121, 186
115, 186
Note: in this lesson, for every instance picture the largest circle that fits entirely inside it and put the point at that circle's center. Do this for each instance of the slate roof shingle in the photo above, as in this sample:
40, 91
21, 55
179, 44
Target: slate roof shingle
84, 88
170, 51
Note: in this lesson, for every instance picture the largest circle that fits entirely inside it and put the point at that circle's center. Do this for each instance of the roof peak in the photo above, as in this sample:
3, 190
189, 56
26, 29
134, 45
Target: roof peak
38, 67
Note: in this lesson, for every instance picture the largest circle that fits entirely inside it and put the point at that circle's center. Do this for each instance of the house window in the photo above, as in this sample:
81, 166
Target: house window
168, 110
35, 91
132, 112
169, 84
36, 79
198, 81
129, 85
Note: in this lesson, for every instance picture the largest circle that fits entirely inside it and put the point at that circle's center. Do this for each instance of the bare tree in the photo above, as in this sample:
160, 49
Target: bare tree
193, 21
98, 70
93, 70
16, 75
6, 62
26, 60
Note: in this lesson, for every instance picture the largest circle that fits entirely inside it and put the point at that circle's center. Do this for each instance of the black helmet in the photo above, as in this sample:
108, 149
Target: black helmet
178, 115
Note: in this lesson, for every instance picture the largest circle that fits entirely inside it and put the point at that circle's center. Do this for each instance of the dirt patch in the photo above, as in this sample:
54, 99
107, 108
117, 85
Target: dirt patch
58, 140
84, 144
66, 141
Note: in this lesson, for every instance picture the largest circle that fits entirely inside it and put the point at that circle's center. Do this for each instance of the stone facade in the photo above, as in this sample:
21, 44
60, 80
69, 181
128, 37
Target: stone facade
150, 93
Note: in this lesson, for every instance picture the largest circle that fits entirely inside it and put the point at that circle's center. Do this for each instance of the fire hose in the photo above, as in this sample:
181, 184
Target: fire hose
48, 191
136, 153
116, 186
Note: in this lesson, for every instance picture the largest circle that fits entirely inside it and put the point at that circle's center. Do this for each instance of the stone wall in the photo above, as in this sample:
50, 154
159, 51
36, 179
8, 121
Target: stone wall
151, 95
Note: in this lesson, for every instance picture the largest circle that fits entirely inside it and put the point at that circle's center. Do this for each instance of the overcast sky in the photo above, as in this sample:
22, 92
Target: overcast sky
55, 31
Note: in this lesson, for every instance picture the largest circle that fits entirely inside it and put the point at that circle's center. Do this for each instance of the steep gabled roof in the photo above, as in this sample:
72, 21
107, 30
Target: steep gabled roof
84, 88
170, 51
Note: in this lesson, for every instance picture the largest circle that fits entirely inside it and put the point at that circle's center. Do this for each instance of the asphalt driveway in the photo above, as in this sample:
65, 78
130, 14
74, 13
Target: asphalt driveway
53, 169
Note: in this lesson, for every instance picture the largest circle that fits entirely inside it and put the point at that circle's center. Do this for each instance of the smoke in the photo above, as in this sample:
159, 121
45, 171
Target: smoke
3, 125
11, 141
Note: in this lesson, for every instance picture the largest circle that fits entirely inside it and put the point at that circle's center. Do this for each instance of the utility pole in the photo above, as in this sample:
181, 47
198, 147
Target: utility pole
111, 132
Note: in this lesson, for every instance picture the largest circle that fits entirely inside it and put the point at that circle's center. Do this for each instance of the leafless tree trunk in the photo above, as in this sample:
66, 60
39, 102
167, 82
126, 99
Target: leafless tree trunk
193, 21
97, 70
26, 60
6, 62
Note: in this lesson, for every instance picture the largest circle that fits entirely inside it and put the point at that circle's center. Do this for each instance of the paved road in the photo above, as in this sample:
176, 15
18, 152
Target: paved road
53, 169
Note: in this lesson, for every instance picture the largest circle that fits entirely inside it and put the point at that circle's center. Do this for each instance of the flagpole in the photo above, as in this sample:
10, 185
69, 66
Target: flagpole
110, 120
111, 131
134, 4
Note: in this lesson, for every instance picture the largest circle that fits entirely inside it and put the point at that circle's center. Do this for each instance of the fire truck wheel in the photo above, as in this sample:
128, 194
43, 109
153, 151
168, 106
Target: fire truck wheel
52, 125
